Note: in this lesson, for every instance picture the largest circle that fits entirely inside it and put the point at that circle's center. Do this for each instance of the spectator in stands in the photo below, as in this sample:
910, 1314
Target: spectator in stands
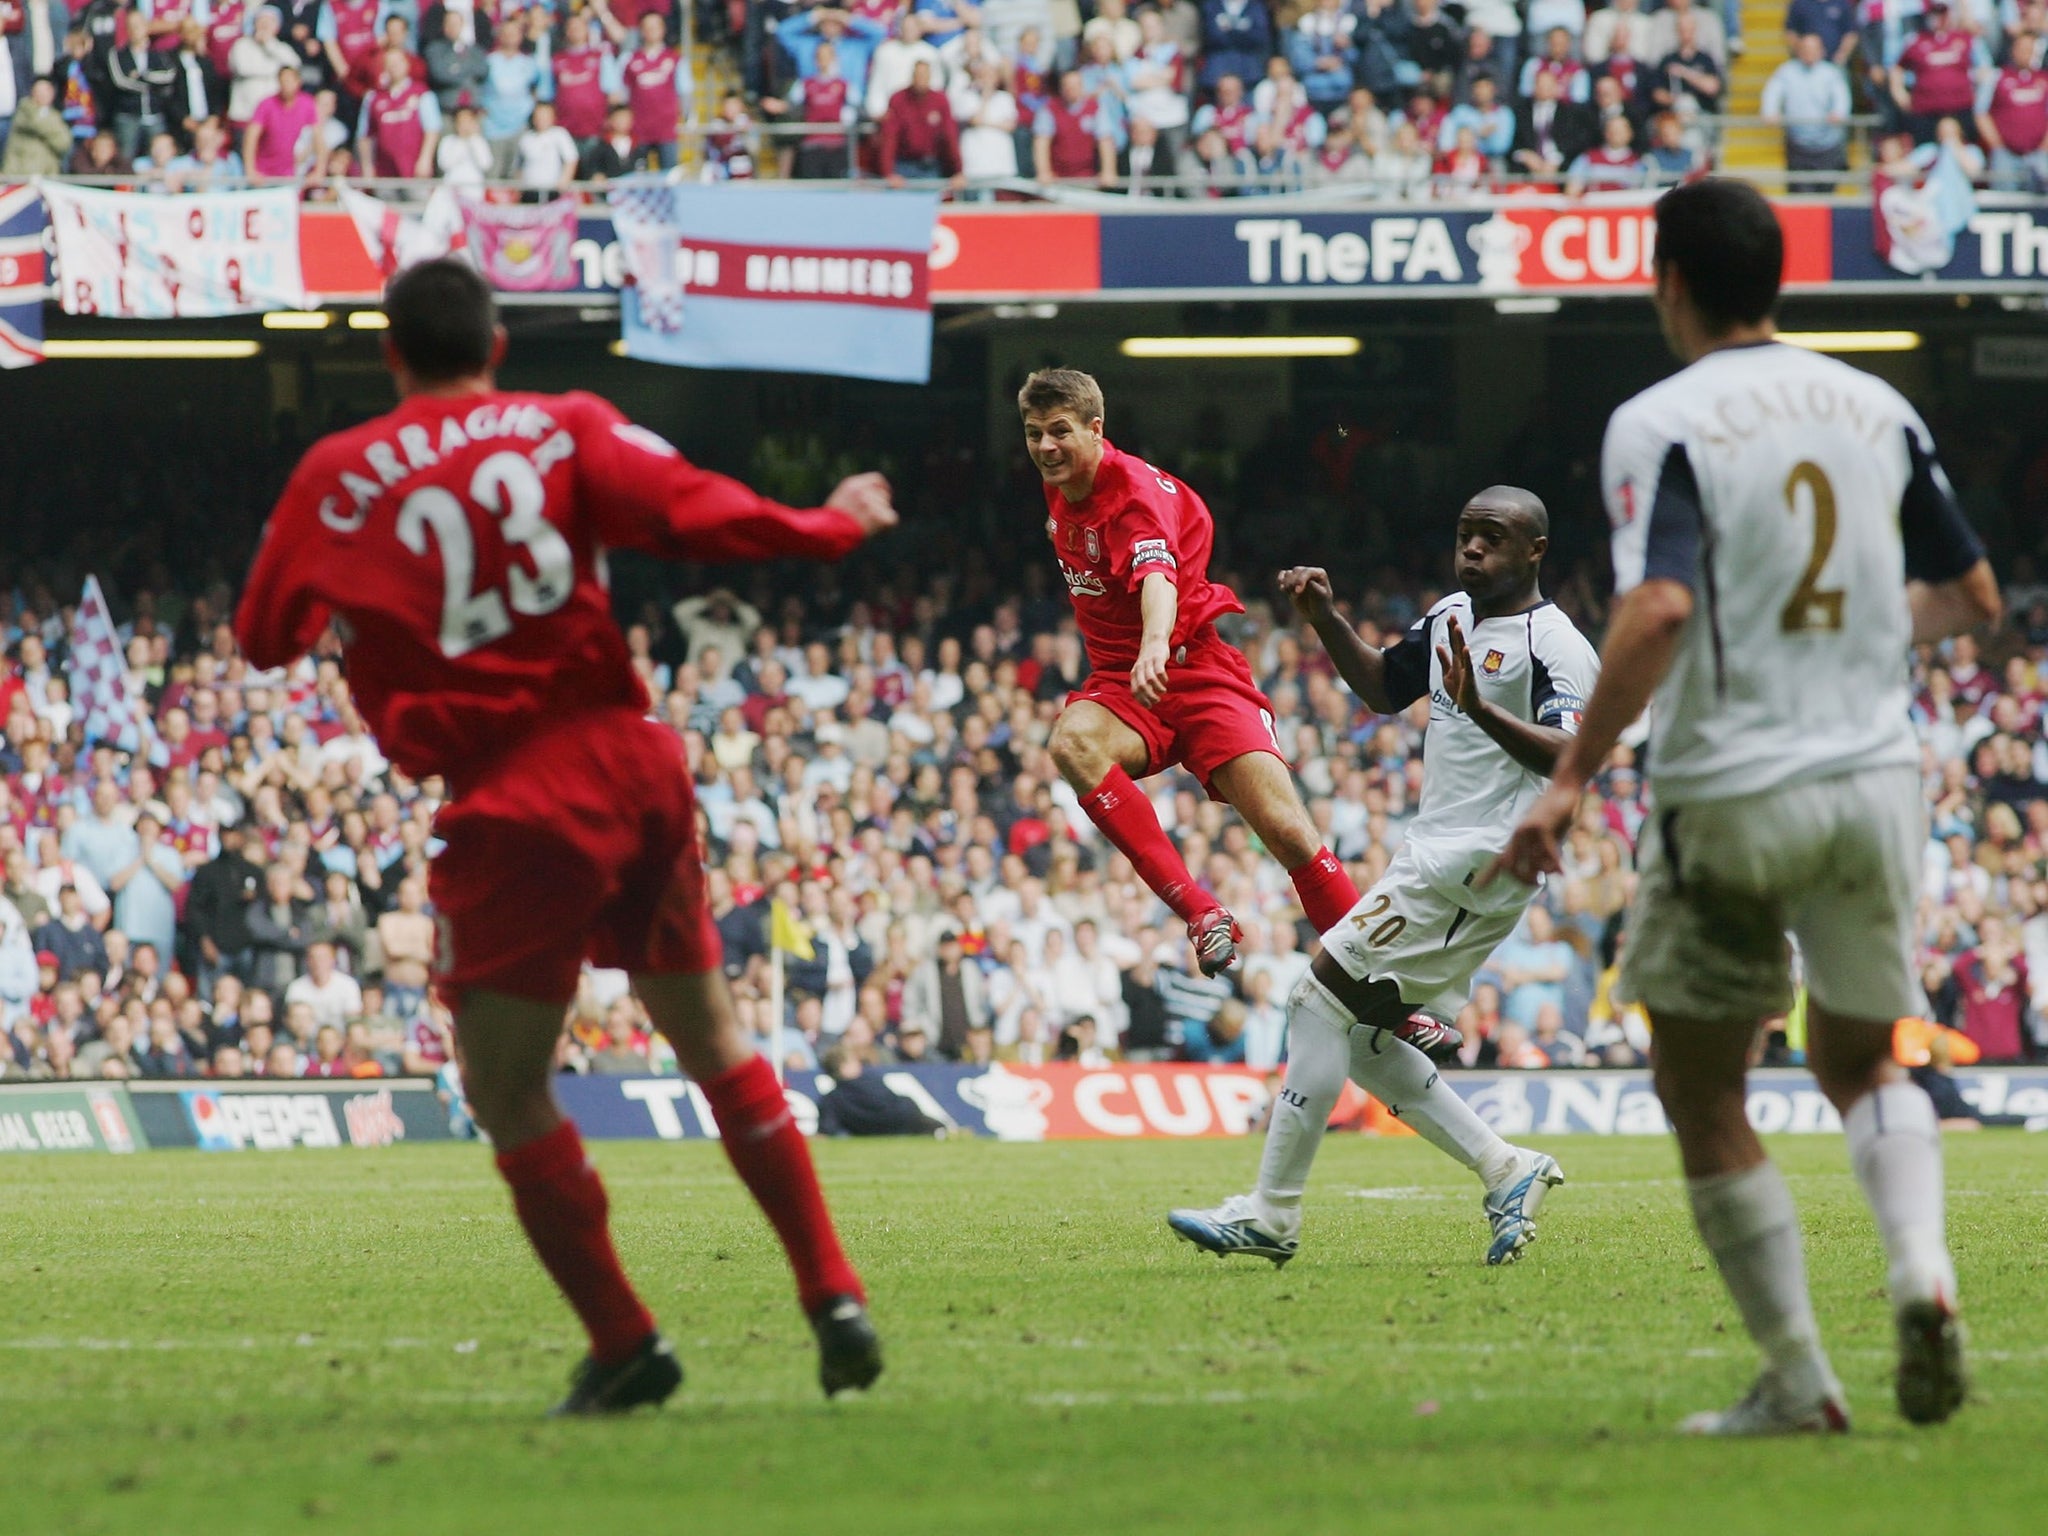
1710, 36
1992, 984
196, 93
1551, 134
946, 997
1323, 50
1157, 96
1669, 158
1687, 80
919, 139
1237, 39
853, 40
2012, 117
1809, 95
72, 938
254, 63
1229, 115
280, 928
210, 165
1491, 125
1073, 138
456, 65
1621, 16
1833, 21
271, 143
513, 79
399, 126
987, 117
139, 82
465, 158
657, 81
546, 154
147, 887
1559, 62
613, 157
1404, 168
895, 60
39, 140
578, 73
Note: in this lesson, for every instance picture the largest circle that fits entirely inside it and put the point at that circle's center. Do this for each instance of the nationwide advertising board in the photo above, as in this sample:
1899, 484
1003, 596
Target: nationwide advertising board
1125, 1102
1253, 248
1059, 1102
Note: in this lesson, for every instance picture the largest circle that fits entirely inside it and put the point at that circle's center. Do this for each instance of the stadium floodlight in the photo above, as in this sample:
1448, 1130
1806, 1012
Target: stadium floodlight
297, 320
1176, 347
149, 349
1852, 341
368, 320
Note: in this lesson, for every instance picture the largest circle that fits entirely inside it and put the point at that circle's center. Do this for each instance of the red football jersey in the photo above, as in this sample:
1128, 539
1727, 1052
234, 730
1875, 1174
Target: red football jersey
1137, 521
459, 544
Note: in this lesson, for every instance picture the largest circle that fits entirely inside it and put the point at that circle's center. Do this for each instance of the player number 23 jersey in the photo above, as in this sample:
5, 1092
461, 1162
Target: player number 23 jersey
1793, 496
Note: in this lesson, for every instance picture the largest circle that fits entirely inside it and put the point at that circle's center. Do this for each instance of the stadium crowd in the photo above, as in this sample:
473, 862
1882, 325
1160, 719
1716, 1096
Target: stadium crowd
1404, 98
244, 893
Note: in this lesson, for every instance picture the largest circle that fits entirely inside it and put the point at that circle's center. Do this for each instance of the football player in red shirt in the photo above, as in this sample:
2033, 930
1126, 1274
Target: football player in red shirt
457, 546
1133, 544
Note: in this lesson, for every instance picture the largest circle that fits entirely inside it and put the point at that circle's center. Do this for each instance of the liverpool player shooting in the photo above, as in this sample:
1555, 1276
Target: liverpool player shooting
457, 545
1133, 544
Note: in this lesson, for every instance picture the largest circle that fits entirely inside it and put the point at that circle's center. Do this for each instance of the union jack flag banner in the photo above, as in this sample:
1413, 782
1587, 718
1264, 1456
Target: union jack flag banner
21, 277
99, 674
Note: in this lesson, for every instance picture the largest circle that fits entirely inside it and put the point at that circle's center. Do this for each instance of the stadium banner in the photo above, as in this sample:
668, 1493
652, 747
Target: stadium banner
134, 256
302, 1112
56, 1117
522, 247
1528, 245
21, 277
787, 281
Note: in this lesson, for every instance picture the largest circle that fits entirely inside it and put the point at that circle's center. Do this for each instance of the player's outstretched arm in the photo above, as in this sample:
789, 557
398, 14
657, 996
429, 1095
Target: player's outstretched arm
1642, 639
1535, 747
278, 618
1362, 666
645, 495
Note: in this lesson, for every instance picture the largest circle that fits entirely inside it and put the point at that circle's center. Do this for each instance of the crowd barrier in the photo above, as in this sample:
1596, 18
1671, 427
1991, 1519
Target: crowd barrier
1008, 1103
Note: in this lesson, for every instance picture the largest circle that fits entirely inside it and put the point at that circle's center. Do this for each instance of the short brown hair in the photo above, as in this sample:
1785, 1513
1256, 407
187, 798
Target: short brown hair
1051, 389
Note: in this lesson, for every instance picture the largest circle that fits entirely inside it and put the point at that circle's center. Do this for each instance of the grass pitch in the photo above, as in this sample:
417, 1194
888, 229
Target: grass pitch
360, 1341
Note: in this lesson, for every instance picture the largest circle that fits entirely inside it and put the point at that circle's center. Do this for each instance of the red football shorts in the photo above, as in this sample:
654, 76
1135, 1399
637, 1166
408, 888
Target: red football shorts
1212, 710
580, 843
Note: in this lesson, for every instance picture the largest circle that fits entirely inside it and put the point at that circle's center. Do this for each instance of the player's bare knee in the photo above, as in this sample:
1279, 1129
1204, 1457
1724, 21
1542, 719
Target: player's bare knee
1079, 753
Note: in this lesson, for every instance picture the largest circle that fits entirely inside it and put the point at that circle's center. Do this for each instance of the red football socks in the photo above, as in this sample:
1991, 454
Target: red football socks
768, 1151
1326, 892
1128, 821
561, 1203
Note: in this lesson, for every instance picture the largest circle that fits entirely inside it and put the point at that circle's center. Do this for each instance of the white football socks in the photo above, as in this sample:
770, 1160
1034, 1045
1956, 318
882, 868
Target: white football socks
1749, 1225
1317, 1055
1895, 1148
1414, 1091
1324, 1046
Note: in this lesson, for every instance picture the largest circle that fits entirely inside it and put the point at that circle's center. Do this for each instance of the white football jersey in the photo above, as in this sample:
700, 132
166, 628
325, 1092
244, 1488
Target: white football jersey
1535, 666
1793, 495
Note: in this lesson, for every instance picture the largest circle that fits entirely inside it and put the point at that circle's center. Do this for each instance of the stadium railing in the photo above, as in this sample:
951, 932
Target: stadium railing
1725, 136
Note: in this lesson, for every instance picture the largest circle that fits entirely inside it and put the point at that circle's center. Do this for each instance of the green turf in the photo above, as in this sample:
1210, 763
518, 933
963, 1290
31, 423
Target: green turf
359, 1340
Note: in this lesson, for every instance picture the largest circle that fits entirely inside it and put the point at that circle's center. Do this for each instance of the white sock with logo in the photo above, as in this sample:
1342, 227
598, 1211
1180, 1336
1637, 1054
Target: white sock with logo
1895, 1148
1317, 1052
1749, 1224
1414, 1091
